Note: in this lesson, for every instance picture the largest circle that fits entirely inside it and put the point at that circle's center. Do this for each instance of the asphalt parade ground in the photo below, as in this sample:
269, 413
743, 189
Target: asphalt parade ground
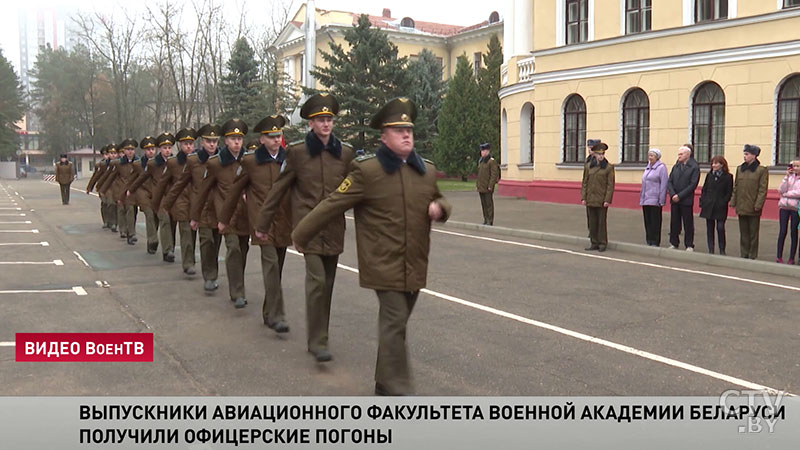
502, 315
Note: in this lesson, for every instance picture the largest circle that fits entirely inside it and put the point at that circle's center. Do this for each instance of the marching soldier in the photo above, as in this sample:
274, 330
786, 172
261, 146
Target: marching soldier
259, 171
221, 169
313, 169
99, 169
155, 170
253, 144
143, 195
108, 200
206, 227
395, 198
65, 175
180, 208
122, 172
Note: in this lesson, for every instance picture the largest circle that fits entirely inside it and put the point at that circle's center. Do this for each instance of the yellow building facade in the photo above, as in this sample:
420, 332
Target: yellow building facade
410, 36
642, 74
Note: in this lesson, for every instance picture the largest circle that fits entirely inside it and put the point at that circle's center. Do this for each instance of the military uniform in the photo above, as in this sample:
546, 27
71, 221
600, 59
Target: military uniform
597, 189
207, 233
107, 202
141, 189
259, 171
99, 169
121, 173
390, 198
312, 171
218, 178
749, 194
64, 177
488, 175
180, 207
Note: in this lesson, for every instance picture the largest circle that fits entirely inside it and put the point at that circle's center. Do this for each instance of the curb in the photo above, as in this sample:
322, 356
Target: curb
730, 262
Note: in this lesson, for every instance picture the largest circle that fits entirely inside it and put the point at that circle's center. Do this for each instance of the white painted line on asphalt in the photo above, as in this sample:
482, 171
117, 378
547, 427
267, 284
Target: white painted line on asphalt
77, 290
43, 244
56, 262
14, 209
90, 193
590, 339
24, 222
8, 344
13, 214
81, 259
102, 284
625, 261
34, 231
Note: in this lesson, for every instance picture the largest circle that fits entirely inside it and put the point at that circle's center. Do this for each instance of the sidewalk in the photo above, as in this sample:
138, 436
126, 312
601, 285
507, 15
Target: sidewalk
564, 223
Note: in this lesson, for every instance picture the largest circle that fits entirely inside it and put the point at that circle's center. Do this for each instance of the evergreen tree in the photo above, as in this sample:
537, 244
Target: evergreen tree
241, 86
460, 123
427, 89
489, 84
363, 78
11, 107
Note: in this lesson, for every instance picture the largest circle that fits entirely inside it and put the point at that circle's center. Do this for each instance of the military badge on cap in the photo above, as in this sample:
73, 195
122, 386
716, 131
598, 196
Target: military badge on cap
271, 125
148, 142
129, 143
209, 131
165, 139
321, 104
186, 134
400, 113
234, 127
252, 144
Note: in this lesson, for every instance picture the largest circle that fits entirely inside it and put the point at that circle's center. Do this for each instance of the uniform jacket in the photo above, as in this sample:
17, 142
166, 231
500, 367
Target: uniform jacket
715, 196
64, 173
683, 180
390, 200
121, 172
598, 183
221, 170
488, 175
654, 185
190, 179
312, 171
140, 190
790, 192
179, 210
259, 172
99, 168
750, 189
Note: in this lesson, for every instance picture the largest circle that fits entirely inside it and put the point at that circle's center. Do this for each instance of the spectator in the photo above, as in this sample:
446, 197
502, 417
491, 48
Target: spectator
716, 194
787, 208
749, 194
682, 182
653, 196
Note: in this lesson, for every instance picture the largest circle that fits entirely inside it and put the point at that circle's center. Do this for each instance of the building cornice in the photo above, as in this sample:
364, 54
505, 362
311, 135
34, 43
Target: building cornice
517, 88
677, 31
477, 33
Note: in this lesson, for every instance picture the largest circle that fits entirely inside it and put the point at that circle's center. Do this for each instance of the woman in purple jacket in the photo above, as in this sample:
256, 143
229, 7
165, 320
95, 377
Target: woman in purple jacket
653, 196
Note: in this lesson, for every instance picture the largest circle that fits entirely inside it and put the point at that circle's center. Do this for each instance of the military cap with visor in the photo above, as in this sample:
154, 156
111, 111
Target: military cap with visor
112, 147
129, 143
165, 139
398, 113
319, 105
234, 127
209, 131
148, 142
271, 125
597, 145
186, 134
252, 144
104, 149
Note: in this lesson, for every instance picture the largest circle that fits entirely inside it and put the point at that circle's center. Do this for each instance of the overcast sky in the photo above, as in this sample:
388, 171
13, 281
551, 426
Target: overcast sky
446, 11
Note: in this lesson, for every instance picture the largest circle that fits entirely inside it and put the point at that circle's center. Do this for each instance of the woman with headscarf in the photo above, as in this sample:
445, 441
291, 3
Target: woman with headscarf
653, 196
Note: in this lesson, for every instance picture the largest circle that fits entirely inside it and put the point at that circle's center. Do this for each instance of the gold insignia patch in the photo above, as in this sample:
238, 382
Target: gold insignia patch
404, 117
324, 109
345, 185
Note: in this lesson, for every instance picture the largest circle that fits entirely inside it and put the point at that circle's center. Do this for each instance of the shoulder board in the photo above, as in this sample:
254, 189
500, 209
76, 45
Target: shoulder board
213, 157
171, 157
345, 144
300, 141
429, 161
192, 155
365, 157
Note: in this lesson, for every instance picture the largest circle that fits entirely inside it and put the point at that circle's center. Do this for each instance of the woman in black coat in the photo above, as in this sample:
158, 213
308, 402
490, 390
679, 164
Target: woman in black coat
716, 194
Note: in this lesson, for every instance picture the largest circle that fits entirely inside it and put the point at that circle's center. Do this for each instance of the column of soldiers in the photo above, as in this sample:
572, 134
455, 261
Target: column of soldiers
266, 195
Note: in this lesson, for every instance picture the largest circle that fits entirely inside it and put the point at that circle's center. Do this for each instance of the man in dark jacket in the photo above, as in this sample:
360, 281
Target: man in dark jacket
749, 194
488, 175
681, 185
65, 175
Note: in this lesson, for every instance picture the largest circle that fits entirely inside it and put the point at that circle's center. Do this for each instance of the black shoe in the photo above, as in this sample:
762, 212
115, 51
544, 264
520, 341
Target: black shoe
105, 225
151, 248
722, 252
490, 224
322, 355
123, 236
602, 248
169, 257
113, 228
189, 271
132, 240
593, 247
381, 391
210, 285
240, 303
280, 327
484, 222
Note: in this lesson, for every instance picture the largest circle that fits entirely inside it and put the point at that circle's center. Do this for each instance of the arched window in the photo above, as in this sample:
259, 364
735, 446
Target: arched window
708, 122
503, 137
526, 130
407, 22
494, 17
635, 127
788, 146
574, 128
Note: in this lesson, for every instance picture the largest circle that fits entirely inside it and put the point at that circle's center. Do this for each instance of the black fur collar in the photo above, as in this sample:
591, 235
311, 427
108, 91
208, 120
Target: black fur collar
181, 158
203, 155
262, 155
124, 160
160, 161
143, 159
391, 162
226, 157
751, 167
315, 147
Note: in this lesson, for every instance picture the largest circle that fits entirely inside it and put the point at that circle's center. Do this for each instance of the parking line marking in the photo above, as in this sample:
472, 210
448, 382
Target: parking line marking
56, 262
588, 338
13, 214
43, 244
8, 344
81, 259
28, 222
34, 231
77, 290
14, 209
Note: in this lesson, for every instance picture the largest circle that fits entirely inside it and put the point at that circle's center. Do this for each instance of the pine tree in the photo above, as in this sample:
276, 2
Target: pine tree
460, 122
12, 110
489, 84
241, 86
363, 78
427, 89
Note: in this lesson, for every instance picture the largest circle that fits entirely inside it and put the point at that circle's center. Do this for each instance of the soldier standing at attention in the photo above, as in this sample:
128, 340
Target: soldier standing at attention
142, 196
206, 227
597, 190
259, 171
749, 194
64, 177
313, 169
395, 198
180, 208
488, 175
121, 173
221, 169
99, 169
